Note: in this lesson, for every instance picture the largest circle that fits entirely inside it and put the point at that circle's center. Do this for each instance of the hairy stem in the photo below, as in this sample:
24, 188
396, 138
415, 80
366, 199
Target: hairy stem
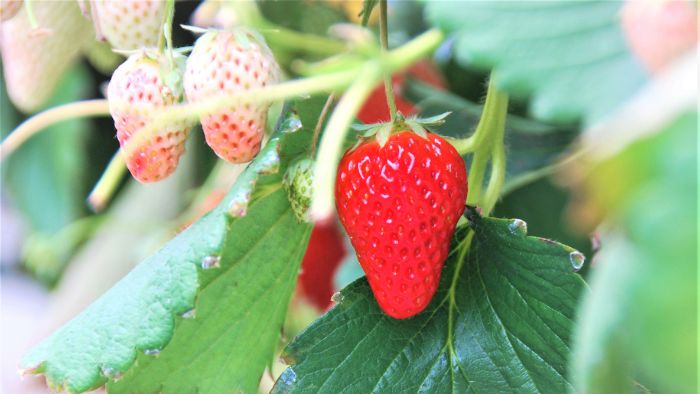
384, 40
495, 107
36, 123
498, 176
487, 144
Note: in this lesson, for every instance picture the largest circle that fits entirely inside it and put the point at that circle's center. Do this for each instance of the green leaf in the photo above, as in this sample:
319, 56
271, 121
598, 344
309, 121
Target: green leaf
204, 313
571, 56
46, 173
640, 320
531, 144
543, 205
500, 321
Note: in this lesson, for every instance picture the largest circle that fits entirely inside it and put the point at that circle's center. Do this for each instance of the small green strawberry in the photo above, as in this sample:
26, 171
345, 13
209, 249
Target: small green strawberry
298, 182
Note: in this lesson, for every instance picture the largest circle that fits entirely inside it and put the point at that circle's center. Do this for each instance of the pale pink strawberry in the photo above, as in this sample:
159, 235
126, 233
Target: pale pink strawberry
34, 63
226, 63
141, 87
129, 24
9, 8
658, 31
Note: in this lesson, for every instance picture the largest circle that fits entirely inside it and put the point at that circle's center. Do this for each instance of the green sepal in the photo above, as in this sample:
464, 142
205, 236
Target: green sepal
431, 121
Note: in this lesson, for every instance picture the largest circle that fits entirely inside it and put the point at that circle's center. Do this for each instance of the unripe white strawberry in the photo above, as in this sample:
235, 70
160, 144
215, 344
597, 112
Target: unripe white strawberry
225, 63
34, 63
9, 8
141, 87
129, 24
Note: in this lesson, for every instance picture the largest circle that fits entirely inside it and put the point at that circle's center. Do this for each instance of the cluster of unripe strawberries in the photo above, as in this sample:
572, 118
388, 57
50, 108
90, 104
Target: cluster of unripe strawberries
221, 63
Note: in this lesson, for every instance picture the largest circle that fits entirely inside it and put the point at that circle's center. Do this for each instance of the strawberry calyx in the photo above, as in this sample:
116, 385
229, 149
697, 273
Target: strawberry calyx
382, 131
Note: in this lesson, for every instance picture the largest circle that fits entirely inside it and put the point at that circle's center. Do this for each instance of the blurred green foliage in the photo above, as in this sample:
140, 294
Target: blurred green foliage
640, 320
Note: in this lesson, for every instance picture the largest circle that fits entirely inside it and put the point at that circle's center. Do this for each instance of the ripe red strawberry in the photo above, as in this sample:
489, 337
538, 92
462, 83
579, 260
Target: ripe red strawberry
375, 108
142, 85
400, 204
227, 62
128, 24
322, 259
33, 64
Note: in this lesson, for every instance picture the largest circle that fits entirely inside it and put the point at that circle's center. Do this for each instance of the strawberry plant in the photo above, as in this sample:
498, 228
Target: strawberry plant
355, 197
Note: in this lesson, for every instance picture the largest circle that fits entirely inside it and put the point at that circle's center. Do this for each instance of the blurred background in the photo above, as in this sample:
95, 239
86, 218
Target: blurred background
58, 254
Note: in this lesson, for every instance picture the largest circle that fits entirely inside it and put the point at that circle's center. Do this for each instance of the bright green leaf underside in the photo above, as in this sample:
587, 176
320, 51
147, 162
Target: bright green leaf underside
571, 56
514, 303
172, 325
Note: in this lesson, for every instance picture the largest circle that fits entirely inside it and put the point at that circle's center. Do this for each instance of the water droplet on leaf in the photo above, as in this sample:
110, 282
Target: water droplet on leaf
289, 377
211, 262
111, 373
577, 259
518, 227
189, 314
337, 297
151, 352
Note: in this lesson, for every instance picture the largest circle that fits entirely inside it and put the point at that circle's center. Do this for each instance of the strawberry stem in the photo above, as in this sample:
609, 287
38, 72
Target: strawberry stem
487, 145
319, 124
463, 247
167, 32
384, 39
107, 184
332, 141
36, 123
30, 14
280, 37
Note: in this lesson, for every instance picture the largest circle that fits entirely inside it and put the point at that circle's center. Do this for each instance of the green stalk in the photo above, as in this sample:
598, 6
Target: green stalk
168, 32
384, 40
42, 120
30, 14
487, 144
332, 141
107, 184
278, 36
495, 107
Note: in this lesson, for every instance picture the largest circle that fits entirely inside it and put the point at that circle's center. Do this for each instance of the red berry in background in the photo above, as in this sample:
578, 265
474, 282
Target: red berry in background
400, 204
140, 87
228, 62
376, 110
321, 261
